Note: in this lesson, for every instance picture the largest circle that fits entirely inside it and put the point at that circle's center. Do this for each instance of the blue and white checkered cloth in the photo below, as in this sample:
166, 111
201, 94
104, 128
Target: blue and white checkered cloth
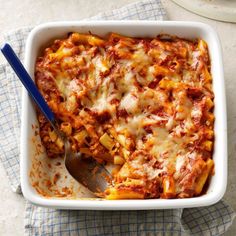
213, 220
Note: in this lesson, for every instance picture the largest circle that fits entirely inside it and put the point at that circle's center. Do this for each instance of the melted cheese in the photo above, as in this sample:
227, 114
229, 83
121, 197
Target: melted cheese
143, 84
133, 125
129, 102
102, 104
63, 83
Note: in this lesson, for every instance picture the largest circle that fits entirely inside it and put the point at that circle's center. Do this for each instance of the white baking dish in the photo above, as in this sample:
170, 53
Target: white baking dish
41, 35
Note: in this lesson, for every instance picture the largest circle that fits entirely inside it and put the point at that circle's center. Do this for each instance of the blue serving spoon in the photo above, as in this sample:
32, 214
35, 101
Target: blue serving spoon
79, 167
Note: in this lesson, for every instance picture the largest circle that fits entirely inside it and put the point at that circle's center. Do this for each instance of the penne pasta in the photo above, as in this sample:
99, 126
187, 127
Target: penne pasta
143, 105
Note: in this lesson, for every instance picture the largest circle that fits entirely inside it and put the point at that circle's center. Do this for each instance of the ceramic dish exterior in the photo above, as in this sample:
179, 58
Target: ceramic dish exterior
43, 34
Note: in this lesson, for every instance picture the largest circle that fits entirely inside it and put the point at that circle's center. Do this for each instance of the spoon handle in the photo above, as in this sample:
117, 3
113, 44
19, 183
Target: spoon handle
28, 83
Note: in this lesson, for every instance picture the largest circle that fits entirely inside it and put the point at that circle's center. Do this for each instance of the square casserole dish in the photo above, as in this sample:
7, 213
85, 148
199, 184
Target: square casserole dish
43, 34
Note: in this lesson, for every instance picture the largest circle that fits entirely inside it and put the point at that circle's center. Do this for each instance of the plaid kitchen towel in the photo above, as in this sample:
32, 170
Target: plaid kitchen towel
212, 220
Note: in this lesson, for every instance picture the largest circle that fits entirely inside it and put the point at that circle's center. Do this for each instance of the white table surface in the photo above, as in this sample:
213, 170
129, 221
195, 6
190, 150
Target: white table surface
15, 14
